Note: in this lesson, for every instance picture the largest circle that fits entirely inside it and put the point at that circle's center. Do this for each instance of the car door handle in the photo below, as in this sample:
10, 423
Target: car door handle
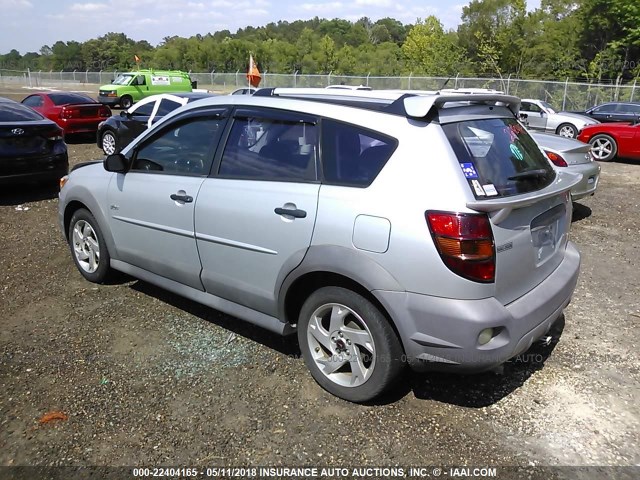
181, 198
293, 212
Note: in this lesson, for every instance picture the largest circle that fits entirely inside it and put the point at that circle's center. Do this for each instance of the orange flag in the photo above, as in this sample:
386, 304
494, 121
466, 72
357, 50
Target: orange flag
253, 75
137, 58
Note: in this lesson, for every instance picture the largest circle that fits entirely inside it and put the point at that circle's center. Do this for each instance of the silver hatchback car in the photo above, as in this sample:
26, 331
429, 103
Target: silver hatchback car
386, 228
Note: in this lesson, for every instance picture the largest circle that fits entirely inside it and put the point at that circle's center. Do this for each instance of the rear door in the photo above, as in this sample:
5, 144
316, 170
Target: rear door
255, 217
503, 165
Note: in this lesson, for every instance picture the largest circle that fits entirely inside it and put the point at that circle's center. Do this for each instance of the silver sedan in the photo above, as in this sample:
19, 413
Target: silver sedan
574, 156
542, 116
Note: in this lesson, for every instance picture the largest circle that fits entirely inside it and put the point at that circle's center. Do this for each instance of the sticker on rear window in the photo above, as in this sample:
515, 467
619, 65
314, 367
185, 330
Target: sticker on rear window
469, 170
478, 188
490, 190
516, 152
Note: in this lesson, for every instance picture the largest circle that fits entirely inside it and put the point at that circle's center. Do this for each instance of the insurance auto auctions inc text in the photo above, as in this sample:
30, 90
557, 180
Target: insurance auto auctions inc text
376, 472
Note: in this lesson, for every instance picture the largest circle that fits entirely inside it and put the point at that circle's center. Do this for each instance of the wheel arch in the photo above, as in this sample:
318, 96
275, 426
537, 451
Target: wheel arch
335, 266
73, 206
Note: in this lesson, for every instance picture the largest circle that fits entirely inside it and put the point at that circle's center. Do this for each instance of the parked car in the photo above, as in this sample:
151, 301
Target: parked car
73, 112
244, 91
384, 229
611, 140
615, 112
544, 117
32, 147
574, 156
132, 87
116, 132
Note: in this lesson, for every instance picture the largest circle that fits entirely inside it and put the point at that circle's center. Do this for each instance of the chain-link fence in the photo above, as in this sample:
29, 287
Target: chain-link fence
562, 95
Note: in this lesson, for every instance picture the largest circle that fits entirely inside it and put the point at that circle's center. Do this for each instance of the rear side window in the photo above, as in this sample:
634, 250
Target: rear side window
270, 149
498, 157
352, 155
33, 101
15, 112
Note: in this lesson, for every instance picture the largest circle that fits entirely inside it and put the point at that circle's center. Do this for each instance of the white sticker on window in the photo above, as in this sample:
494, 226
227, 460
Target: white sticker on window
490, 190
478, 188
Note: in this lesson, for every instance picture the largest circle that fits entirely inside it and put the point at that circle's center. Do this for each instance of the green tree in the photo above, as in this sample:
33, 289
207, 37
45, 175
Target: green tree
428, 50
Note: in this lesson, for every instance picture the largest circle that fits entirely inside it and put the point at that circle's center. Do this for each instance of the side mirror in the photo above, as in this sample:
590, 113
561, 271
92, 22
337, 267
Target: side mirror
117, 163
124, 114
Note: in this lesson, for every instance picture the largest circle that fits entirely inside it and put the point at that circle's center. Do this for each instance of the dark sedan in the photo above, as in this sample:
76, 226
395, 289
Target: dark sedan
614, 112
32, 147
118, 131
74, 112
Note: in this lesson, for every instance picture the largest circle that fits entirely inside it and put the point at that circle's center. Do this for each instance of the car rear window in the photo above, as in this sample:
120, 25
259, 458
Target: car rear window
14, 112
498, 157
70, 98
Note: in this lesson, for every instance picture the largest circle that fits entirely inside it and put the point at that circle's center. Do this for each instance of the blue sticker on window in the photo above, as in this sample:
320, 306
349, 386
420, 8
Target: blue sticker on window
516, 152
469, 170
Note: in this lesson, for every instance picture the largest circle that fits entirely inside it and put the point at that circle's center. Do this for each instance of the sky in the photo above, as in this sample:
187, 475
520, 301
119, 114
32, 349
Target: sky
27, 25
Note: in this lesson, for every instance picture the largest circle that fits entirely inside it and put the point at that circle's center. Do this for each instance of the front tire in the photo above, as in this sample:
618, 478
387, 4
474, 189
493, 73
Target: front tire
567, 130
109, 142
348, 345
88, 248
126, 101
603, 147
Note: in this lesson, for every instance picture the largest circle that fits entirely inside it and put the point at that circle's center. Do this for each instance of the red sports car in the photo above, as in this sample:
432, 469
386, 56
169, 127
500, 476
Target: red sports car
609, 140
73, 112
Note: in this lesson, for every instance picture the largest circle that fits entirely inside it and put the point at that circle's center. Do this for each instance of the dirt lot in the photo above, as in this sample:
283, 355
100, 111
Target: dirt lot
148, 378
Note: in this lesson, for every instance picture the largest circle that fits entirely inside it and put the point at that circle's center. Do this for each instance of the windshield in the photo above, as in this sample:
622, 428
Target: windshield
123, 80
549, 108
498, 157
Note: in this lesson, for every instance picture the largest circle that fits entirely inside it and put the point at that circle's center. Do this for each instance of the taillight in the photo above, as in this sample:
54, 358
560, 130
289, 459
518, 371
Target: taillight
54, 135
104, 111
465, 244
556, 159
69, 112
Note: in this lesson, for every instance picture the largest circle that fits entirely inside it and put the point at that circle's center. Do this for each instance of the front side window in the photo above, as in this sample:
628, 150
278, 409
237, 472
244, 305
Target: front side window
122, 80
498, 157
352, 155
167, 106
270, 149
144, 110
531, 107
183, 148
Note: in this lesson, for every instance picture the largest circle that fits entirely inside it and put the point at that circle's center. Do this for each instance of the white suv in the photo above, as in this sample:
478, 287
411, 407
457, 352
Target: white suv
386, 228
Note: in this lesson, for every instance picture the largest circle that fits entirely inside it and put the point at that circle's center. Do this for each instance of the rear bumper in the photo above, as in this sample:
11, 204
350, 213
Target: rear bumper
36, 169
442, 334
590, 178
89, 125
48, 176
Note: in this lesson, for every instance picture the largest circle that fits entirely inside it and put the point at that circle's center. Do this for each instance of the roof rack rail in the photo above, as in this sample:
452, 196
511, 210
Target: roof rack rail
413, 104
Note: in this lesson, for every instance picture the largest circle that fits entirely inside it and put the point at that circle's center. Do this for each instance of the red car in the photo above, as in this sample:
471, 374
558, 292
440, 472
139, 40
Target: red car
609, 140
73, 112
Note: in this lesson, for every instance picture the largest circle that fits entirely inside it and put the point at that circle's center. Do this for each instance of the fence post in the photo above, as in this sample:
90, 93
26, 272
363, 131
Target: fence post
456, 84
295, 78
618, 82
61, 74
369, 73
409, 86
237, 72
212, 71
564, 97
508, 83
29, 74
633, 88
74, 75
329, 78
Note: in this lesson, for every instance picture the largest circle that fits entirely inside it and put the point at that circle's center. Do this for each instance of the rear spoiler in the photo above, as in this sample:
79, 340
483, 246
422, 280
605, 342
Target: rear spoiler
412, 104
501, 208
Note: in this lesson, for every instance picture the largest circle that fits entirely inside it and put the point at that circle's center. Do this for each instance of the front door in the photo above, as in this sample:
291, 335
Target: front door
151, 207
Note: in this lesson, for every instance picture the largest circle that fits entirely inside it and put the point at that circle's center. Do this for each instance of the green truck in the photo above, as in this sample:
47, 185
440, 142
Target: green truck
131, 87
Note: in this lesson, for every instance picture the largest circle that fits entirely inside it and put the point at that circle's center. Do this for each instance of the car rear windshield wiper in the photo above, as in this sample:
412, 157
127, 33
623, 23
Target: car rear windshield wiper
529, 174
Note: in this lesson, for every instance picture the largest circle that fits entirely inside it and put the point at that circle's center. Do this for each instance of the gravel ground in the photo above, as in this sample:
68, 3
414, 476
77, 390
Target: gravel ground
148, 378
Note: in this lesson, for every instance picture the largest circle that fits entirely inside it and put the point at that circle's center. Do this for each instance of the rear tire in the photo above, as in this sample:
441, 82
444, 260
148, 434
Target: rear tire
88, 248
126, 101
603, 147
567, 130
348, 345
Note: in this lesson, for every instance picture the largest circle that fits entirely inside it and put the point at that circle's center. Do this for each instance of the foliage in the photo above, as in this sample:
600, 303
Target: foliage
595, 40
